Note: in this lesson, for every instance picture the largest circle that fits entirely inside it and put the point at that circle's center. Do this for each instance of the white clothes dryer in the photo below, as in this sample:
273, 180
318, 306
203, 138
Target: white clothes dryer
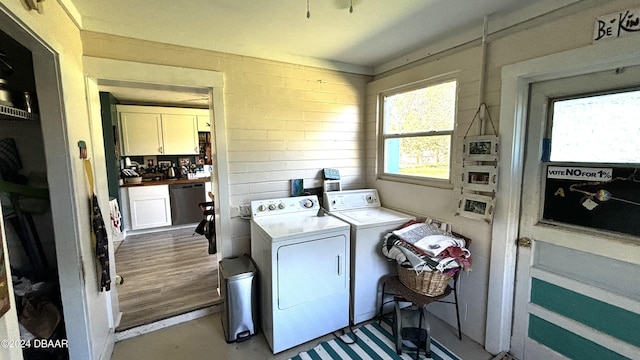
303, 270
369, 223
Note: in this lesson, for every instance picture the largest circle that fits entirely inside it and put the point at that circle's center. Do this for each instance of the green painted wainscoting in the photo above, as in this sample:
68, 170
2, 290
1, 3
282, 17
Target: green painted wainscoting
600, 316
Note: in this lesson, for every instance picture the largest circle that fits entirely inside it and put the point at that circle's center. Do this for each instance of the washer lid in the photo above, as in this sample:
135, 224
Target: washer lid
372, 216
282, 227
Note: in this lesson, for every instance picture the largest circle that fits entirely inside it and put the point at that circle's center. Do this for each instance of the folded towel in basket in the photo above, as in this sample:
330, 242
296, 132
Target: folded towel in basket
435, 244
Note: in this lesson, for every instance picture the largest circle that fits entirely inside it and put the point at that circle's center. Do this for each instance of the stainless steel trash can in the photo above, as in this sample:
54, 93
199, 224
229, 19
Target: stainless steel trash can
238, 288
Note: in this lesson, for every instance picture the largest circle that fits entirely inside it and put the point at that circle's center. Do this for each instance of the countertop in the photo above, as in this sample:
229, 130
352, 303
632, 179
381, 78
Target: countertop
168, 182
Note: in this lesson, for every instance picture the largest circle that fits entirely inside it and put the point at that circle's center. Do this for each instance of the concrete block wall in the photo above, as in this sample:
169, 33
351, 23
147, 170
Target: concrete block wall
283, 121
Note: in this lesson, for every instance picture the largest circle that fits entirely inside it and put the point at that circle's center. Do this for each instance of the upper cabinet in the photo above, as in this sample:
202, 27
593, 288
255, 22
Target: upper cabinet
152, 130
204, 125
179, 134
141, 133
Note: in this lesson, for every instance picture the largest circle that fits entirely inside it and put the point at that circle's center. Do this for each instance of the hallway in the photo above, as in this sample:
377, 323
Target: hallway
164, 274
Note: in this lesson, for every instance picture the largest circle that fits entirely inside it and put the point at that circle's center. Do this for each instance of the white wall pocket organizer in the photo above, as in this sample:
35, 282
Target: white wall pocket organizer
475, 206
481, 148
480, 178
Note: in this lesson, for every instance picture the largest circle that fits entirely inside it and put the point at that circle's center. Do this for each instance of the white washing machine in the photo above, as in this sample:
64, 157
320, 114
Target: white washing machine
369, 223
303, 270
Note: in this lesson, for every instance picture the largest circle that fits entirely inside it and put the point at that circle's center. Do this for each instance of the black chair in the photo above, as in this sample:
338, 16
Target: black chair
207, 226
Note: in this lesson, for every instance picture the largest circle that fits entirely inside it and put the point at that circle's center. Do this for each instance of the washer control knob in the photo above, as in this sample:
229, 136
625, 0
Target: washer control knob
281, 206
272, 207
262, 208
308, 203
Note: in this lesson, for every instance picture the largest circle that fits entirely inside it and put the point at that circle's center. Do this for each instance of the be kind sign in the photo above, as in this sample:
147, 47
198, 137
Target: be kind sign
620, 24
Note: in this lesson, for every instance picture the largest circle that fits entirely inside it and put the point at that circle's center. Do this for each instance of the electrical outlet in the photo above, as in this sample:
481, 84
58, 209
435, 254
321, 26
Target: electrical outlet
244, 210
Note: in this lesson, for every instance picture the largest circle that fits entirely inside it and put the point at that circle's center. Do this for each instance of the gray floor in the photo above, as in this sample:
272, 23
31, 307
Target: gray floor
204, 339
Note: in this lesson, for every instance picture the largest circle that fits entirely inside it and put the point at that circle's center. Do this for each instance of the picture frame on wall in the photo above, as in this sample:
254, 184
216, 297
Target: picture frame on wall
474, 206
481, 148
480, 178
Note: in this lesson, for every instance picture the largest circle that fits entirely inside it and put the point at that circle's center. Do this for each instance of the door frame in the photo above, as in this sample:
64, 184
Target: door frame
48, 69
100, 69
516, 79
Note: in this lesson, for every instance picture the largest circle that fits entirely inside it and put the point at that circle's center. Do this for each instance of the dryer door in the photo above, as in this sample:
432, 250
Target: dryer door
311, 270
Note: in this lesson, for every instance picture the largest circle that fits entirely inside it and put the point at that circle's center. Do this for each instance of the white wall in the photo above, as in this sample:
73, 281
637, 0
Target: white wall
441, 203
283, 121
564, 29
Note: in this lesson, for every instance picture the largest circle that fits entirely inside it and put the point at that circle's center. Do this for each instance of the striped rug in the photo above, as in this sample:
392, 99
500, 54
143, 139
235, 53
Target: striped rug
374, 342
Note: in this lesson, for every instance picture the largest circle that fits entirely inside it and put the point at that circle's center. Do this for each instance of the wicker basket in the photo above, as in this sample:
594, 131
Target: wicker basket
429, 283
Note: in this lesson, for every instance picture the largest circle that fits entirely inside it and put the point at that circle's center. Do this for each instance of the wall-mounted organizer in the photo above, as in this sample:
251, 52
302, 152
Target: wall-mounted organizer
479, 172
332, 180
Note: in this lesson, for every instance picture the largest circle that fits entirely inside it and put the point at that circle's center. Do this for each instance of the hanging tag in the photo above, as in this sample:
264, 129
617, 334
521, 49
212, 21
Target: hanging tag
589, 204
82, 148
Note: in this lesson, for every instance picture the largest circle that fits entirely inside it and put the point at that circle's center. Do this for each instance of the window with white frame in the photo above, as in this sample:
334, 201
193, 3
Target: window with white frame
417, 126
596, 128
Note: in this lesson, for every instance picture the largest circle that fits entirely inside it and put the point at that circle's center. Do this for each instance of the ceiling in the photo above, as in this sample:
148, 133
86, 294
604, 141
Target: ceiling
375, 33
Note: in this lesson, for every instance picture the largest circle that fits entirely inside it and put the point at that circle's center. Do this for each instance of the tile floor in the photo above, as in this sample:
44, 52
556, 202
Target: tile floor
203, 338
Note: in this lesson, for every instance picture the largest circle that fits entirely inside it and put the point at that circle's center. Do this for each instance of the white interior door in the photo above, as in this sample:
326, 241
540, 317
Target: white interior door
577, 291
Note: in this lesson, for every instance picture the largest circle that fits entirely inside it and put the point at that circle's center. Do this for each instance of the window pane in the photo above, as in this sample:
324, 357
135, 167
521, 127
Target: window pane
426, 156
600, 129
427, 109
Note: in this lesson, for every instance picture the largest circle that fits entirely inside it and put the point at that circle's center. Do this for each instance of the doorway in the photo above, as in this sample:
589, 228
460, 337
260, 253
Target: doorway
620, 53
176, 82
165, 271
24, 194
567, 207
64, 210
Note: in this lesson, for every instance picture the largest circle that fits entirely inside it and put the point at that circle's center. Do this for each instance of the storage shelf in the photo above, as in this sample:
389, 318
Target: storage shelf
10, 113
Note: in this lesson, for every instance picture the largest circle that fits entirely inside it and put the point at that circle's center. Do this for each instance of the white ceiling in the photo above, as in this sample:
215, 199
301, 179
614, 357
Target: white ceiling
378, 31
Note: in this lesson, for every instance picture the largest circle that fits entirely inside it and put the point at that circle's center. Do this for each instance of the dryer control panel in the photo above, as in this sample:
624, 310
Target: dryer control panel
284, 206
351, 199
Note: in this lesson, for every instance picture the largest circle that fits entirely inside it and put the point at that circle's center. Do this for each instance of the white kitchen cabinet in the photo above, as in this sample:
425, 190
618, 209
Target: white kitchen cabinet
149, 206
141, 133
204, 125
155, 130
180, 134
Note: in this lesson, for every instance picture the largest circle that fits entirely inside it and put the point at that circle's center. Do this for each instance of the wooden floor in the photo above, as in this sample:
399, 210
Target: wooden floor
165, 274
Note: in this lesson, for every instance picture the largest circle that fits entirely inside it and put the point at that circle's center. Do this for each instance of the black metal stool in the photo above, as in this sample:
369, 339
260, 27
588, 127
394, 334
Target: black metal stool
419, 336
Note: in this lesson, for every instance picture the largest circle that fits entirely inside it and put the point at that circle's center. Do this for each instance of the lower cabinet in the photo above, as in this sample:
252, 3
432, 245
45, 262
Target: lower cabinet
149, 206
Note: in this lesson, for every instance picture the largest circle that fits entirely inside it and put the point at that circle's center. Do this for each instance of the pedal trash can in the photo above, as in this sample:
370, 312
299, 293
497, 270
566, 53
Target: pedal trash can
238, 288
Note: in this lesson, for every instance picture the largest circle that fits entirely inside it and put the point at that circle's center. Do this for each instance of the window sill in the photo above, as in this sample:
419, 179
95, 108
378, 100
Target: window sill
414, 180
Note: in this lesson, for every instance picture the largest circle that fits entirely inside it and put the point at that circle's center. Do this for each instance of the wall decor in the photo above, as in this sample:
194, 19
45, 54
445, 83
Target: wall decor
620, 24
475, 206
595, 198
480, 178
481, 148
